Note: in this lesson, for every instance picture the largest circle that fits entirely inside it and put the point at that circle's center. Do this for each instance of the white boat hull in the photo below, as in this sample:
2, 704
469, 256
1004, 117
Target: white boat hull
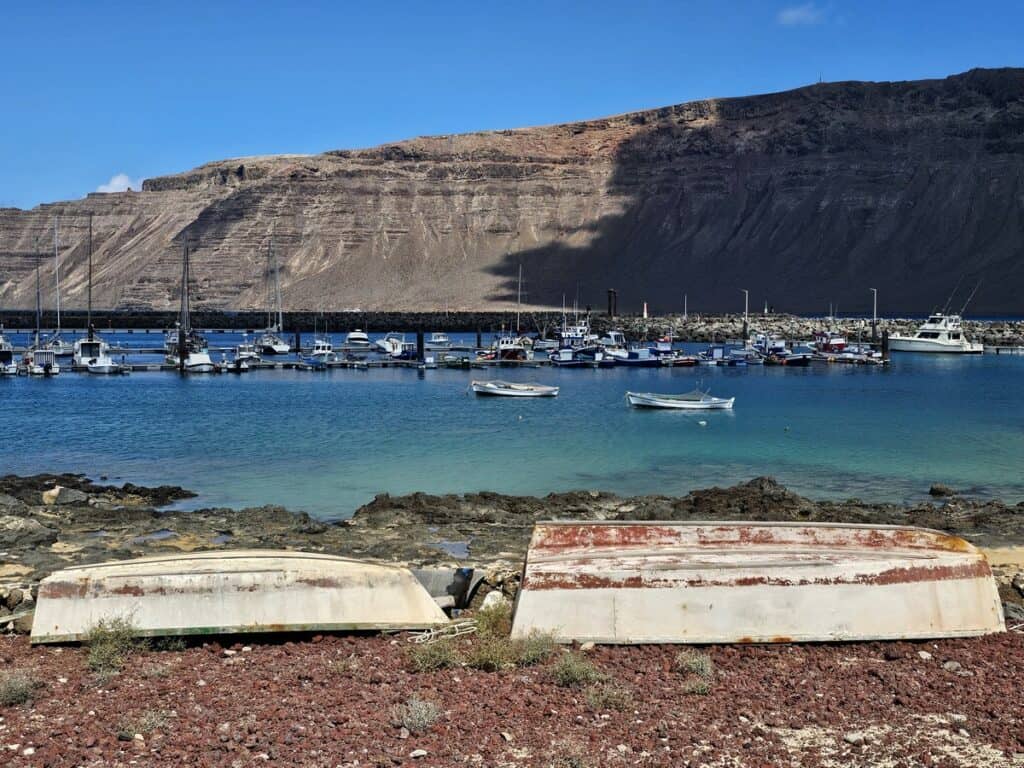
651, 400
506, 389
232, 592
712, 582
910, 344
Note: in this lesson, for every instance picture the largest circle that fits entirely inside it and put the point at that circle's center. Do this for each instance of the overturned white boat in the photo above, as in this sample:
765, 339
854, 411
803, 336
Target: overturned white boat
692, 401
511, 389
667, 582
244, 591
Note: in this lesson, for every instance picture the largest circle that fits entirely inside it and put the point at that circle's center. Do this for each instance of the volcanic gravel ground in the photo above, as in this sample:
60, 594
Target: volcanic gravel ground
328, 701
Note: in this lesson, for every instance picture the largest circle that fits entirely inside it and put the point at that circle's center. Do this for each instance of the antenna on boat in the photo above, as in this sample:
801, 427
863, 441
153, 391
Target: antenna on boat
976, 286
945, 306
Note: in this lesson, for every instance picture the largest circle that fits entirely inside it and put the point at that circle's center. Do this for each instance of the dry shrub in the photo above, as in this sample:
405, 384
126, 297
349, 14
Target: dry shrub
416, 714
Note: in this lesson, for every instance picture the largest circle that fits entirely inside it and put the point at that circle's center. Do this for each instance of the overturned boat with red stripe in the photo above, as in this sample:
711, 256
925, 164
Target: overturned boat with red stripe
713, 582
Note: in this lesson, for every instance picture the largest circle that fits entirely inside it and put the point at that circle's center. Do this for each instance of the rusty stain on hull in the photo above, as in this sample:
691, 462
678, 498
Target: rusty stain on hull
232, 592
752, 582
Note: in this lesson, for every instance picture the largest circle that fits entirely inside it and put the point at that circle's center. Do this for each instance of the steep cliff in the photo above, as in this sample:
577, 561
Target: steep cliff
805, 197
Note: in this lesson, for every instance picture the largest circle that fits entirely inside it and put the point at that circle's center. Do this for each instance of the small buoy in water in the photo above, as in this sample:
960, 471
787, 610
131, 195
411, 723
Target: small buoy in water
520, 417
702, 423
787, 429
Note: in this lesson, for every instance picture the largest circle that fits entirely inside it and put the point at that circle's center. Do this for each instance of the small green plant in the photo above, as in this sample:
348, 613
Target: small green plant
490, 653
534, 648
344, 666
609, 695
495, 621
145, 723
17, 688
697, 686
432, 656
168, 644
416, 714
572, 670
567, 754
693, 662
155, 671
110, 643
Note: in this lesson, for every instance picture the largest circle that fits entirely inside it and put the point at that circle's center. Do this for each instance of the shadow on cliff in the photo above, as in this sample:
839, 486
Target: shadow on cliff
814, 211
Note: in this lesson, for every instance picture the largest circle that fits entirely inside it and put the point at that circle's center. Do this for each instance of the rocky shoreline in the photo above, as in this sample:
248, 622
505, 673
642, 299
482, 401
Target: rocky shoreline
48, 522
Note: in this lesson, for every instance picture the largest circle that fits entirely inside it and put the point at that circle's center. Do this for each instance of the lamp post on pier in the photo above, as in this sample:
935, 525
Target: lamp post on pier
746, 311
874, 314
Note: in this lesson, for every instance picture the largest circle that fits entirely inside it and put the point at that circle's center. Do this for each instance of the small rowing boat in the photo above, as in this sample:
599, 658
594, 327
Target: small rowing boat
752, 582
510, 389
692, 401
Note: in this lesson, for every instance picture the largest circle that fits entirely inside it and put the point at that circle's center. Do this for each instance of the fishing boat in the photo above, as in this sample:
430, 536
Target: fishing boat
233, 365
583, 357
690, 401
509, 348
270, 341
680, 360
357, 339
8, 366
204, 593
511, 389
41, 362
828, 342
323, 351
438, 341
752, 582
642, 357
246, 352
93, 354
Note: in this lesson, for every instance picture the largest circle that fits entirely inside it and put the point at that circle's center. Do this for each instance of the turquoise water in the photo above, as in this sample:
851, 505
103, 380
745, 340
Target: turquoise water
328, 442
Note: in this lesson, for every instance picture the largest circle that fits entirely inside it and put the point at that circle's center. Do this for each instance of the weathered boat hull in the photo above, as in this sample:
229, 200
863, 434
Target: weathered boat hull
233, 592
752, 583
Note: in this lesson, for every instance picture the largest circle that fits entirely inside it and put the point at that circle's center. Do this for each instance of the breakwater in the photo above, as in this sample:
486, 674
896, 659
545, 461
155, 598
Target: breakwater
696, 328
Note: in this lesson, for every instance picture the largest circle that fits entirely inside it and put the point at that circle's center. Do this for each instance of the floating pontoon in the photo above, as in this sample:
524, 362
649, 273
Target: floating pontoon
233, 592
667, 582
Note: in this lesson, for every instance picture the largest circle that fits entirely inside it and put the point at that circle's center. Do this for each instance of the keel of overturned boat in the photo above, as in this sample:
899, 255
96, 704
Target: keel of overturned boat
667, 582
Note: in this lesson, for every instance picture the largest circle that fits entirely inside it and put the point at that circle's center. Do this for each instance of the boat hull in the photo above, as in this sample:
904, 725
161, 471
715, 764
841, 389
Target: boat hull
512, 390
648, 400
909, 344
752, 583
232, 592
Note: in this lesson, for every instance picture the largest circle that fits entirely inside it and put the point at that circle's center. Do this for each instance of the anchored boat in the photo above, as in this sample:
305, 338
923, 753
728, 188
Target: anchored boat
691, 401
509, 389
233, 592
714, 582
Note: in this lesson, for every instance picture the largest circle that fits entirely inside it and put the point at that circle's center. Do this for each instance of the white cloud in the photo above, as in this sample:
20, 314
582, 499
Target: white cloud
800, 15
120, 182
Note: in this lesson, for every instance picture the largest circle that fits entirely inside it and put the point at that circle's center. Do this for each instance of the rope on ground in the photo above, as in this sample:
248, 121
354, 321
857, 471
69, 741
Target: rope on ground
455, 629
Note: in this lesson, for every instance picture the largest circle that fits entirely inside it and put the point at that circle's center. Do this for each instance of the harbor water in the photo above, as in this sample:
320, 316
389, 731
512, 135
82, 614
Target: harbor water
327, 442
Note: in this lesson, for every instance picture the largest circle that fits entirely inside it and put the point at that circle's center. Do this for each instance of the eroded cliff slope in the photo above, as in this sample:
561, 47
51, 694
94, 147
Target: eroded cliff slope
804, 197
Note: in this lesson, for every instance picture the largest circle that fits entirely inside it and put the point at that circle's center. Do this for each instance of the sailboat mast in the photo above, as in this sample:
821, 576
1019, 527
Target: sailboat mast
39, 304
519, 297
277, 289
56, 263
184, 319
88, 312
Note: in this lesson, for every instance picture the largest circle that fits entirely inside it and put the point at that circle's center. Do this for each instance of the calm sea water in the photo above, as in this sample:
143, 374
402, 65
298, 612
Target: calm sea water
328, 442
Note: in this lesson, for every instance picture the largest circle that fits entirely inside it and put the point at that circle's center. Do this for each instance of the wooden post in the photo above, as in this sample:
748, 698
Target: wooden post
420, 347
885, 345
479, 339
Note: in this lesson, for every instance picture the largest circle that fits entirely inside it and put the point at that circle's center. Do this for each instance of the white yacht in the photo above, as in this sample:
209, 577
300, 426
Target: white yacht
357, 338
246, 351
8, 367
391, 344
940, 333
94, 355
271, 343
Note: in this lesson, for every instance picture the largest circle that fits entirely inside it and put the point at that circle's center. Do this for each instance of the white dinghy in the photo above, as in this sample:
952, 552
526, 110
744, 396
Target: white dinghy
511, 389
692, 401
243, 591
724, 582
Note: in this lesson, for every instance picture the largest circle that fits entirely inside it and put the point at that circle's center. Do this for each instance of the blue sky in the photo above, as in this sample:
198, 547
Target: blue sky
91, 91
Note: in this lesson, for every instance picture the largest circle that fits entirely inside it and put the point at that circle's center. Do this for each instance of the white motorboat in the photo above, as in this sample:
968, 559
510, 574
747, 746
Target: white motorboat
94, 355
246, 351
8, 367
323, 351
358, 339
392, 344
511, 389
271, 344
438, 341
691, 401
42, 362
234, 365
59, 346
939, 333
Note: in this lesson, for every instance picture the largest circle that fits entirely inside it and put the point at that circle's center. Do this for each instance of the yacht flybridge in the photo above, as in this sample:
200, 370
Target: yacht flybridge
940, 333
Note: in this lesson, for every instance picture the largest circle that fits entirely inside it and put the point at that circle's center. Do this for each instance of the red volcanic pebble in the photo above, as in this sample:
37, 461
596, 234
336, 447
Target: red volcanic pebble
329, 701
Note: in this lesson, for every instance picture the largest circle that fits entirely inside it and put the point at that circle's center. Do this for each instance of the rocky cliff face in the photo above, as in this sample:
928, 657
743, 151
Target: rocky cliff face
804, 197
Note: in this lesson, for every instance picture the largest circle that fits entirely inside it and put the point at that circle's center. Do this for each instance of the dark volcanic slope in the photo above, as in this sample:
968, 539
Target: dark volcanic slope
805, 197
